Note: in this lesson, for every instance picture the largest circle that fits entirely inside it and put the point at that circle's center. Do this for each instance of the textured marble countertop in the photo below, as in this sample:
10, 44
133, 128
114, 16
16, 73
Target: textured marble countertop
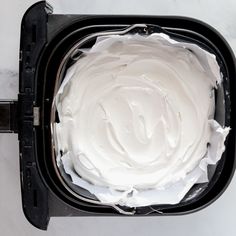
217, 219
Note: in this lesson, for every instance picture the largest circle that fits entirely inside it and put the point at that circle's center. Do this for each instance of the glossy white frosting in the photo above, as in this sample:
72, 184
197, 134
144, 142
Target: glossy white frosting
136, 116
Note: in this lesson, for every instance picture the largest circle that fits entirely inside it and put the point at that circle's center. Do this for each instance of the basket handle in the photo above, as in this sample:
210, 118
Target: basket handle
8, 116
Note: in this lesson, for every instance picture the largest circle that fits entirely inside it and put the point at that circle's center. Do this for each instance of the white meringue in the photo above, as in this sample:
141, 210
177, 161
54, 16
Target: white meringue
136, 115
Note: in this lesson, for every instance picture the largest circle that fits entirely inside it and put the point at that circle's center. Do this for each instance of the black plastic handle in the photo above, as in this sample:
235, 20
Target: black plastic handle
8, 116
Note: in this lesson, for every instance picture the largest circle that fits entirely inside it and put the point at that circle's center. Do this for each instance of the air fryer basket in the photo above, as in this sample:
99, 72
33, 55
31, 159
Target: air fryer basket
74, 54
46, 39
176, 28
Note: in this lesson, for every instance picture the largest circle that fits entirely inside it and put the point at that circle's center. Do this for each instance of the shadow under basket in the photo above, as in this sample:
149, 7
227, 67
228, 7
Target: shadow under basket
45, 38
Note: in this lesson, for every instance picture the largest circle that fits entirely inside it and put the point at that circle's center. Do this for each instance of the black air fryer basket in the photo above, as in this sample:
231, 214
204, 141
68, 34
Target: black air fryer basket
46, 39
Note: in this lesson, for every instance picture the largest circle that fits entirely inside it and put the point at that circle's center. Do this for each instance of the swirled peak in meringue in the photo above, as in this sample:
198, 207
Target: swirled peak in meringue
136, 116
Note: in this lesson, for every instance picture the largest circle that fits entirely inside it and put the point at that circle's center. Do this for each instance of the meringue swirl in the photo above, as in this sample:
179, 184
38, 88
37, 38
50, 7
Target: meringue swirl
134, 113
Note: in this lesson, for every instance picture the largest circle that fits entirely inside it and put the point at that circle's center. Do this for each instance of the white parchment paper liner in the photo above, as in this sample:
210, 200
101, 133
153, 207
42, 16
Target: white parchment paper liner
174, 192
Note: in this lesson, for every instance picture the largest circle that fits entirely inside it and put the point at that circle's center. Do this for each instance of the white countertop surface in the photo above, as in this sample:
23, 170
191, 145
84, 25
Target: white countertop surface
218, 219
